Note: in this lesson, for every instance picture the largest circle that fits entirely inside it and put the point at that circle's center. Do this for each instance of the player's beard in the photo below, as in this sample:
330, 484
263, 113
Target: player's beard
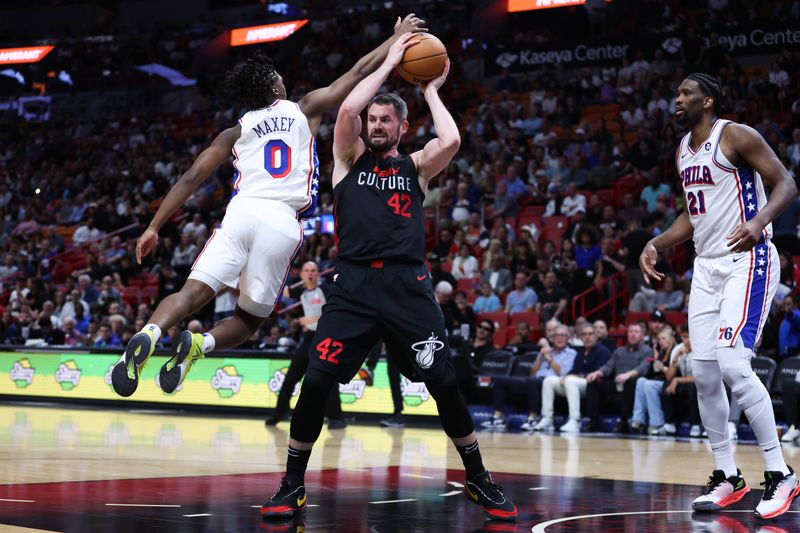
388, 142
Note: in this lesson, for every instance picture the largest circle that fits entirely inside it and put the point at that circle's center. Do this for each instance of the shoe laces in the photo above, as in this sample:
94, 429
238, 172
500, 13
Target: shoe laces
284, 489
716, 479
770, 483
492, 489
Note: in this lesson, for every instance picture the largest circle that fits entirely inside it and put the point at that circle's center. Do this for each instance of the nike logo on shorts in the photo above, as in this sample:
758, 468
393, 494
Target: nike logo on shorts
420, 278
736, 259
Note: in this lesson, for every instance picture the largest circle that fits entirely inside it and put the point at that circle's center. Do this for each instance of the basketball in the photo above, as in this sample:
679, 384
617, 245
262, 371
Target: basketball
424, 61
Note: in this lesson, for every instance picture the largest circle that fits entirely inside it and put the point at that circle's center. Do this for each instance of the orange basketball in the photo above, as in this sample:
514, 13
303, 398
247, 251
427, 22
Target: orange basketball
424, 61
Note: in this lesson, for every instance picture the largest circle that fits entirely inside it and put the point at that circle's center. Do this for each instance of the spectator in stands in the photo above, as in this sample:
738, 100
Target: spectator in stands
553, 360
680, 387
106, 337
196, 228
69, 308
465, 266
185, 254
665, 298
116, 251
487, 302
657, 322
654, 189
445, 244
633, 243
791, 404
45, 331
168, 281
626, 364
88, 292
86, 232
784, 227
588, 259
789, 331
72, 337
7, 269
649, 387
573, 386
82, 320
601, 330
520, 342
573, 201
462, 205
437, 273
522, 298
505, 205
108, 292
453, 318
553, 300
470, 356
465, 308
498, 276
475, 229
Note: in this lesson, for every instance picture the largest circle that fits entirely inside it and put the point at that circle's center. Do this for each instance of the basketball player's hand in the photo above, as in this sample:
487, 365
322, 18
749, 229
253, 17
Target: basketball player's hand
647, 262
146, 243
435, 83
398, 48
410, 23
744, 237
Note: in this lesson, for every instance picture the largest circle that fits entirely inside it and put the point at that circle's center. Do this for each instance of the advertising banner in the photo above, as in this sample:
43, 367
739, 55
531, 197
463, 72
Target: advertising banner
214, 381
27, 54
591, 52
266, 33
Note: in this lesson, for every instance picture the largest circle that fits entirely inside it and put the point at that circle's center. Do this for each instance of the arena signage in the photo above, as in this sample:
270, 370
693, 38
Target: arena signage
216, 381
535, 5
754, 41
265, 34
27, 54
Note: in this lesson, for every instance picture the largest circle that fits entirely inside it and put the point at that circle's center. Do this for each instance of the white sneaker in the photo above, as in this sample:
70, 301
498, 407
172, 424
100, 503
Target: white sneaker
494, 423
670, 429
529, 424
572, 426
545, 424
695, 431
721, 492
791, 434
733, 431
779, 491
656, 430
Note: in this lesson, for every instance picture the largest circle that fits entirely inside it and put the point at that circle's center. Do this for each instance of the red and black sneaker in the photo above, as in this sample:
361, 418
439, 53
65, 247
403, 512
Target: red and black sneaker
486, 493
288, 501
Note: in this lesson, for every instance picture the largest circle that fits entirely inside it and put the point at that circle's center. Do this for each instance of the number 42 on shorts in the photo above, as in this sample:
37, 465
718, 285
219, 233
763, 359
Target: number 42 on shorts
329, 349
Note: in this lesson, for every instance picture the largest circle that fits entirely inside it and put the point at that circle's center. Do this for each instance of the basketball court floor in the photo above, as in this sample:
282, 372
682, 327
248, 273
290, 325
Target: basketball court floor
73, 469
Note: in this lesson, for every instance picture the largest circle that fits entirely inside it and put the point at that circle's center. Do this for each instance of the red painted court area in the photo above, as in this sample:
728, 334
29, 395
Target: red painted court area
375, 500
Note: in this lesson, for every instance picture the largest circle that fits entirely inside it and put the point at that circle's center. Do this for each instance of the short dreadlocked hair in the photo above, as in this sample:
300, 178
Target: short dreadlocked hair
251, 81
710, 87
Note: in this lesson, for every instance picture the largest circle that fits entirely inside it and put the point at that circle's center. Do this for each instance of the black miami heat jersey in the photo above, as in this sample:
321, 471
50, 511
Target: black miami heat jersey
378, 211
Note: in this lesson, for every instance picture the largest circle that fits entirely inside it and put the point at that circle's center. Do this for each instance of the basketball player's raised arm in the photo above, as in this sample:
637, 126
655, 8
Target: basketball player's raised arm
207, 162
680, 231
438, 152
326, 98
750, 146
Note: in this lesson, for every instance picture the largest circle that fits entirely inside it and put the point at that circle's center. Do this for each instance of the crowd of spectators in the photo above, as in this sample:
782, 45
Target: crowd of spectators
561, 179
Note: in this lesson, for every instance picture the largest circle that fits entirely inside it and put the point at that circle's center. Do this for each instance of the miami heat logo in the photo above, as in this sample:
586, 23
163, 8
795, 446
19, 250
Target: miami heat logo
426, 349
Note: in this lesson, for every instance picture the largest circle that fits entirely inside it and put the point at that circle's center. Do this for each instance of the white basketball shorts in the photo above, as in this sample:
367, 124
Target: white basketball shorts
730, 299
254, 246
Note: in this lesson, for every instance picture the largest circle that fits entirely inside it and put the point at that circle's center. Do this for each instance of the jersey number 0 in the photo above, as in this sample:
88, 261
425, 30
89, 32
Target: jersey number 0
277, 158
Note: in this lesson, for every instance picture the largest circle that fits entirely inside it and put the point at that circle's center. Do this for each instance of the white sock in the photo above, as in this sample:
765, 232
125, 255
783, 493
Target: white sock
714, 412
155, 329
208, 343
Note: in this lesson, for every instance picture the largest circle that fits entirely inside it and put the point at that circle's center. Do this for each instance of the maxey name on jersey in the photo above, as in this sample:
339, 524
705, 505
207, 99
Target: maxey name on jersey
272, 125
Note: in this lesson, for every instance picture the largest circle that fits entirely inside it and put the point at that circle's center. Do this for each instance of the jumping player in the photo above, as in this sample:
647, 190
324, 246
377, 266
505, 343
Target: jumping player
736, 273
275, 184
381, 286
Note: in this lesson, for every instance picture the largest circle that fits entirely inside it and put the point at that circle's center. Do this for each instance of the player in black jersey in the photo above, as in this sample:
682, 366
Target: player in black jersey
381, 287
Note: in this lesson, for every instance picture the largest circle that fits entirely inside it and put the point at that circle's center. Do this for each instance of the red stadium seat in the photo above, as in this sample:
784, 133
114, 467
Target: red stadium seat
500, 318
130, 295
466, 284
635, 317
556, 222
676, 318
531, 317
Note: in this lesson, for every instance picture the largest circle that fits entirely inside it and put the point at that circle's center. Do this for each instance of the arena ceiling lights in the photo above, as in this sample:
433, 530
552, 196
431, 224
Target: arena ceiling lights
533, 5
265, 34
27, 54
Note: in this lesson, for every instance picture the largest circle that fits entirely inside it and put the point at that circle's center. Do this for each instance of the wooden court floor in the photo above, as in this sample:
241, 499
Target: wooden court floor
78, 469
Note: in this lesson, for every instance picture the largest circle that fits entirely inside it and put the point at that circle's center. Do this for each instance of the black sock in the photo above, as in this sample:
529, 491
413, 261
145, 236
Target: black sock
471, 456
296, 464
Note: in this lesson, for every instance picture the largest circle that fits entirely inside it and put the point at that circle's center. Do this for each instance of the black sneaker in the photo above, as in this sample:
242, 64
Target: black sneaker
483, 491
289, 500
720, 492
394, 421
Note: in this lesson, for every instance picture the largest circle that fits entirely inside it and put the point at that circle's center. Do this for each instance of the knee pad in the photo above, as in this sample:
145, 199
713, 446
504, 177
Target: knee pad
707, 377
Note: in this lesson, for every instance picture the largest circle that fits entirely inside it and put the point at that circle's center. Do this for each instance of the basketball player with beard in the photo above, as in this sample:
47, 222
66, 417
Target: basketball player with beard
723, 167
381, 287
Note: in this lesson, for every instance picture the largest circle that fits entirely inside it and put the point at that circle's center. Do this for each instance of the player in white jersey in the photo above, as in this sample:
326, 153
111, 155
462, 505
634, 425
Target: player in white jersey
722, 165
275, 185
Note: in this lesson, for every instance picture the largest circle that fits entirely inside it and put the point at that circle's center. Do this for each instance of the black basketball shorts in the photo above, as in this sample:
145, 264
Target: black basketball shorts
392, 302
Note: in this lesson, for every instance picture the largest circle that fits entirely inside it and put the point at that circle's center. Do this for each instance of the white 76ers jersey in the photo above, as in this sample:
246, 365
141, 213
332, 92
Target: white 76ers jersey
276, 157
718, 195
